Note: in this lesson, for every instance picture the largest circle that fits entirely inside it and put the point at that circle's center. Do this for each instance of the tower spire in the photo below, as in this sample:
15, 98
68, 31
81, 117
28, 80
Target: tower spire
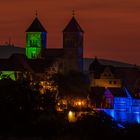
9, 41
73, 12
36, 14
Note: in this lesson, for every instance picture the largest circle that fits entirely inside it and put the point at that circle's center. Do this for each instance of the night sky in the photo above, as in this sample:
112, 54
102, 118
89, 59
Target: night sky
112, 27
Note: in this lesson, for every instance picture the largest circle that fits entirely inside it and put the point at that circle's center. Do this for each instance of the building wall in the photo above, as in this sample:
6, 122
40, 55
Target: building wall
73, 51
107, 79
106, 83
35, 43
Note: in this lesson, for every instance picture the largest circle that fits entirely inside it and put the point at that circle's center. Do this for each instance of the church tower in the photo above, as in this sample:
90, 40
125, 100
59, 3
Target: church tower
73, 46
35, 40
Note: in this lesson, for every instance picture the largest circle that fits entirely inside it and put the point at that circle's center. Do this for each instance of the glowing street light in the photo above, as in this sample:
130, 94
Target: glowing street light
71, 116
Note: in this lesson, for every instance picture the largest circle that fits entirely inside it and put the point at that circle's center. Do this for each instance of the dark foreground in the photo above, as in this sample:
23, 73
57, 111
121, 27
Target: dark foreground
20, 118
57, 128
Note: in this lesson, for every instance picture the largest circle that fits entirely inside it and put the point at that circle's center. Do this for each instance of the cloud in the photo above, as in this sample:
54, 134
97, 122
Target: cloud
109, 5
110, 25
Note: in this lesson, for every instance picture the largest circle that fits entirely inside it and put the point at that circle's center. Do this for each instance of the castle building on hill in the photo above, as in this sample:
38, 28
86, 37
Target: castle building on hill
103, 75
38, 59
106, 75
70, 56
115, 88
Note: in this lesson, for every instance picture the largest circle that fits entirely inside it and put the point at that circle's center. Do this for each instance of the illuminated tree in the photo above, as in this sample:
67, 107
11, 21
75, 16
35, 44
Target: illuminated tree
8, 74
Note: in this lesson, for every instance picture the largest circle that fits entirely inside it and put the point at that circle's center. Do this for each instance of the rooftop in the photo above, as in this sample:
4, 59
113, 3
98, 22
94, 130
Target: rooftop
36, 26
73, 26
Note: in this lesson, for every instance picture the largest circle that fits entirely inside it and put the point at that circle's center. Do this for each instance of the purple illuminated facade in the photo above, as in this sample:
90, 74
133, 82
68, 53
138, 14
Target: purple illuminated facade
120, 105
113, 90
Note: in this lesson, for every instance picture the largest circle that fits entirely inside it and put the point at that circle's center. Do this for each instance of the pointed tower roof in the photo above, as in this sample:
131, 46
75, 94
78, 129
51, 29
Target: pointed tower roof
36, 26
73, 26
95, 65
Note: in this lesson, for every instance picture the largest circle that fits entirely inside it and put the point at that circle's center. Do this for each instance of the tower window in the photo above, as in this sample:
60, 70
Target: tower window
33, 43
33, 55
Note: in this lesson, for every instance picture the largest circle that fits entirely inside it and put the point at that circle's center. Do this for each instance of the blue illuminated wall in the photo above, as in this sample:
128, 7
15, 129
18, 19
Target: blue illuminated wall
126, 109
44, 39
123, 116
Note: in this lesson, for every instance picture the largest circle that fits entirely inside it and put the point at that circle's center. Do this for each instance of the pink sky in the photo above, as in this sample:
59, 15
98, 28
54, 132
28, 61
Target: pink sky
112, 27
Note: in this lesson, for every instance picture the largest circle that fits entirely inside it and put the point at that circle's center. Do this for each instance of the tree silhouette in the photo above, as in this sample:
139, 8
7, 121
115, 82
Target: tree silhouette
72, 85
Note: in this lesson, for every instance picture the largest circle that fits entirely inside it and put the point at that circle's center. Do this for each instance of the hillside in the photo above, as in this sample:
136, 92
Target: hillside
88, 61
7, 50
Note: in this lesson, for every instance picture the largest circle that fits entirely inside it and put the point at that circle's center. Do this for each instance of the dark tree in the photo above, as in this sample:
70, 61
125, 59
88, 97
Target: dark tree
72, 84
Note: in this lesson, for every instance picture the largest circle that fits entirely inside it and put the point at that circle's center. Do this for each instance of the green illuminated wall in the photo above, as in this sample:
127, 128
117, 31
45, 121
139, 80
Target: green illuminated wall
7, 74
33, 45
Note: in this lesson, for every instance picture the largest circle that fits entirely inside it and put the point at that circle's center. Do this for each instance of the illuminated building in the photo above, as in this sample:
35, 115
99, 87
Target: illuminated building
119, 103
70, 57
111, 74
103, 76
109, 92
42, 61
35, 40
38, 63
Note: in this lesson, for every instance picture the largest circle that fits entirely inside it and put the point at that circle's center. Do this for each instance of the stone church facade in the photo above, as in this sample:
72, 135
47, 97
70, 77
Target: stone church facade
69, 57
39, 60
